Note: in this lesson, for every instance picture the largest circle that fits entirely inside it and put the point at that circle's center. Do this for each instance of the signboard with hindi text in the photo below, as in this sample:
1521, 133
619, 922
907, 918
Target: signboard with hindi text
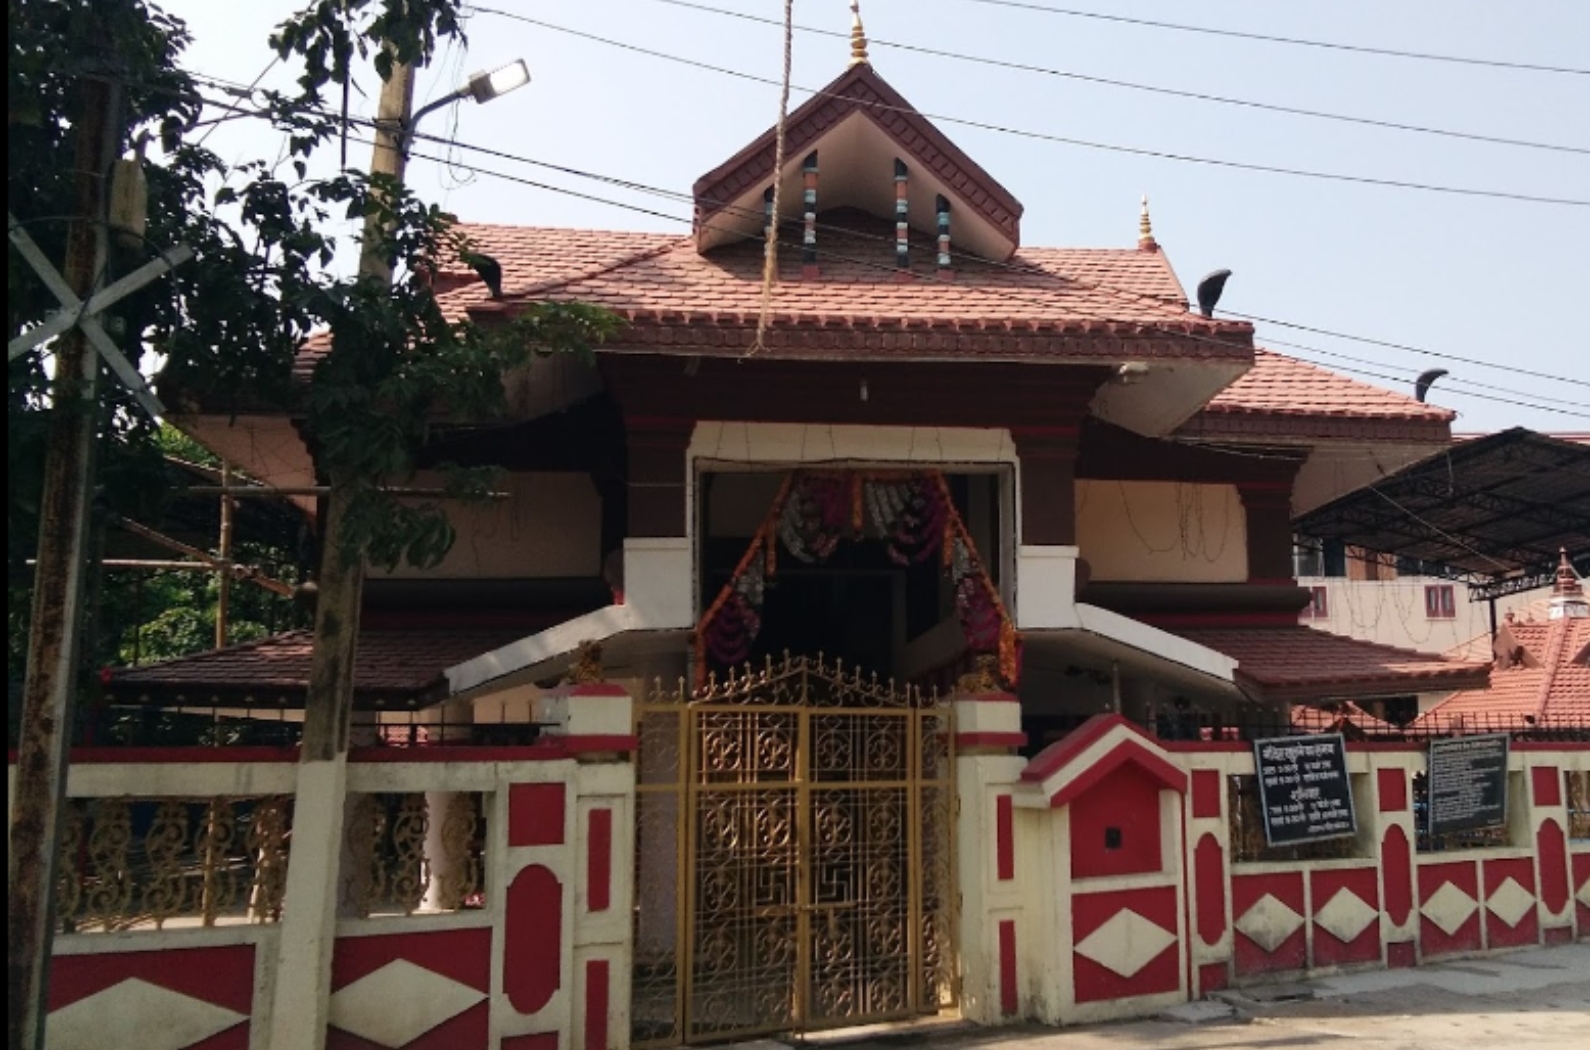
1304, 791
1467, 783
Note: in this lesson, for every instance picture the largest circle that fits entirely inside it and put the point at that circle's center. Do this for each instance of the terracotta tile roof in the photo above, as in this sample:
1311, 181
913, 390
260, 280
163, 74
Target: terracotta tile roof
1280, 384
1344, 717
399, 663
1284, 397
1301, 663
1043, 303
1551, 684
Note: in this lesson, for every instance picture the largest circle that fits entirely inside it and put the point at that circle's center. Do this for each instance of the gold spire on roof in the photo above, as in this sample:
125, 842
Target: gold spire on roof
858, 36
1145, 229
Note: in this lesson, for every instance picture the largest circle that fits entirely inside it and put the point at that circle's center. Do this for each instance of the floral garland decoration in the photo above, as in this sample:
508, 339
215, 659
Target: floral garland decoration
915, 517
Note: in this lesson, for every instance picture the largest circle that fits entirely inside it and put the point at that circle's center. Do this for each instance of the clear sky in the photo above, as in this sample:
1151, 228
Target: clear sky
1496, 281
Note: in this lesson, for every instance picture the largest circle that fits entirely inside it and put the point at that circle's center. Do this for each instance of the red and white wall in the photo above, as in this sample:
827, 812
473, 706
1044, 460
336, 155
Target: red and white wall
1114, 892
1097, 881
543, 965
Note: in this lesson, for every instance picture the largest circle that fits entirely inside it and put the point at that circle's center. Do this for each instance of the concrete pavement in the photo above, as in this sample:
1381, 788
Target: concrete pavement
1538, 999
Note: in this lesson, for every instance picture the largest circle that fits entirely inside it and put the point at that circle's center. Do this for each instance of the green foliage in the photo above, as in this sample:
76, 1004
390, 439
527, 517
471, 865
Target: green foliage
231, 323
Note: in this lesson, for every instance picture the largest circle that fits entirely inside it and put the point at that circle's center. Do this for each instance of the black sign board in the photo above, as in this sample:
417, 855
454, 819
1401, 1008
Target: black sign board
1467, 783
1304, 793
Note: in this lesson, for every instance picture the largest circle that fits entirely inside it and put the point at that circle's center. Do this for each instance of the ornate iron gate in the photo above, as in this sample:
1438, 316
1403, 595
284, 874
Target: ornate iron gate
794, 856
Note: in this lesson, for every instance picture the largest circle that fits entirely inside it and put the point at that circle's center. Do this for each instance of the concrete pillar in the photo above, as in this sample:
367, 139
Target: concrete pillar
987, 730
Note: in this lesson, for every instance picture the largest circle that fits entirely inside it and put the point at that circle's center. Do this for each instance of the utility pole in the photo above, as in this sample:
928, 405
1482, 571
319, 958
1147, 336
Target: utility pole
309, 907
223, 584
53, 674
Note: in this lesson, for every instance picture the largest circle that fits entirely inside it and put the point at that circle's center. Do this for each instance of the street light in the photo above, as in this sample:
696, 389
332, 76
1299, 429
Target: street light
481, 86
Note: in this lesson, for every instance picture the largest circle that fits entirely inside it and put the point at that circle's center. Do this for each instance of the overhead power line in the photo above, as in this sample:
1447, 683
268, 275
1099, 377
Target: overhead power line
1385, 52
1456, 385
1200, 96
1269, 169
1402, 346
1014, 296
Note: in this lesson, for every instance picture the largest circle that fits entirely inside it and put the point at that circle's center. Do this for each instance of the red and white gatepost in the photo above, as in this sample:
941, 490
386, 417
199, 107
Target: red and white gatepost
594, 723
987, 774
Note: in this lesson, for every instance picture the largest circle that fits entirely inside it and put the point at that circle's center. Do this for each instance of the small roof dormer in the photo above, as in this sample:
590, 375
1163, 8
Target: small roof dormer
853, 132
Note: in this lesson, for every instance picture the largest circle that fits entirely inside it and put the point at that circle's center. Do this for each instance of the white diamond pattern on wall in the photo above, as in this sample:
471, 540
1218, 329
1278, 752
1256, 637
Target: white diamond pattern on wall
1449, 908
1346, 916
1126, 943
1269, 922
137, 1013
1510, 902
400, 1002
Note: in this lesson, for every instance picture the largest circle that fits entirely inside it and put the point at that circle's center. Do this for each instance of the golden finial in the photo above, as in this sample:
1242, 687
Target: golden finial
858, 36
1145, 230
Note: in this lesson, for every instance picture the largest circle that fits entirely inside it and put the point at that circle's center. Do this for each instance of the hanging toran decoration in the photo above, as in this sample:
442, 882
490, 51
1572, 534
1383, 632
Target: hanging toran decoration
915, 517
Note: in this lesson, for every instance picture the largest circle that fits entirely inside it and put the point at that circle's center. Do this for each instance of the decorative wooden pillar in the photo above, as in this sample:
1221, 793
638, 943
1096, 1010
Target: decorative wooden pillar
902, 226
1267, 507
1048, 458
941, 205
657, 466
809, 268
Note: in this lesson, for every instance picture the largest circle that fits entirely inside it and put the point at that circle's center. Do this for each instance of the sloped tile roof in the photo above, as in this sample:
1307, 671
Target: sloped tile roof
1552, 686
1045, 302
391, 662
1344, 717
1280, 384
1301, 663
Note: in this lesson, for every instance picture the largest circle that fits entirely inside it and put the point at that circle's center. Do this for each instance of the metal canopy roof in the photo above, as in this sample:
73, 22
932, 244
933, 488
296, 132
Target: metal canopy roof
1494, 511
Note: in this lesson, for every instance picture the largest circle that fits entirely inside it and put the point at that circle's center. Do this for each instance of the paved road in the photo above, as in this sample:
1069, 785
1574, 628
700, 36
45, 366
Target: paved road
1530, 1000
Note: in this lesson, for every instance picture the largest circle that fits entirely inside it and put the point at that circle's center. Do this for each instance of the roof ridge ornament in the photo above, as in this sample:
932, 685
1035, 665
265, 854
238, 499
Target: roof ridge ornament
1145, 230
1567, 597
858, 37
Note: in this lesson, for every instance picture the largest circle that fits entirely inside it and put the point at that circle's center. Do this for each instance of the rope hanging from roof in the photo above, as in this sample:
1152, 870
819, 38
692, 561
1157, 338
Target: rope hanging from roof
914, 516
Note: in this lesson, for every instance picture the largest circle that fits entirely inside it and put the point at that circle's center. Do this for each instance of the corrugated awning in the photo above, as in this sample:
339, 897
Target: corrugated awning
1487, 510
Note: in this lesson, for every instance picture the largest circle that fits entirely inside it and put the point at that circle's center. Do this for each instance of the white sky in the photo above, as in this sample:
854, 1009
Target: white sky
1500, 282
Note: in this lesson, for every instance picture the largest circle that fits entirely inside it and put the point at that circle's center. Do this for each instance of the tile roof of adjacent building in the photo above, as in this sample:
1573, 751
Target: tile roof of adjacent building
1301, 663
1341, 717
392, 663
1542, 673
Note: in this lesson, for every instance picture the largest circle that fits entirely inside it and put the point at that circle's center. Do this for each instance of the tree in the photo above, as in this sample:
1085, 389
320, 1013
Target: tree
230, 325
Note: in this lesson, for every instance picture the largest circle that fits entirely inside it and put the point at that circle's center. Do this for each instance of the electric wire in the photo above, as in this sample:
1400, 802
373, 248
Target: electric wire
1385, 52
883, 267
1405, 347
1200, 96
1457, 384
1270, 169
1457, 387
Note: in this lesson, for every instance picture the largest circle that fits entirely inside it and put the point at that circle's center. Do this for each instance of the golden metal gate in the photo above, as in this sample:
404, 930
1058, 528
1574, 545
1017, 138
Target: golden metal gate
794, 856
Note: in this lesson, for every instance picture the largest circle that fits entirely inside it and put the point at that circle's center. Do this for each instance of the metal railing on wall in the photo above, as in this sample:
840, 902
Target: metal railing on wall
218, 726
127, 863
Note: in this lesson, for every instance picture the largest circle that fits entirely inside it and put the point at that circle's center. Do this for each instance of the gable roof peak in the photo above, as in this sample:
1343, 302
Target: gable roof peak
859, 125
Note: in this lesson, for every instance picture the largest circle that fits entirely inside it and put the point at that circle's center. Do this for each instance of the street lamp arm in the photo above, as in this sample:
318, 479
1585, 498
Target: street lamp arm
482, 87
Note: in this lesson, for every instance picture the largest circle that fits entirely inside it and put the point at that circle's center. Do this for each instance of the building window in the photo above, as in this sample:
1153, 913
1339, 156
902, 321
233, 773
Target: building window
1438, 602
1318, 607
1308, 557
